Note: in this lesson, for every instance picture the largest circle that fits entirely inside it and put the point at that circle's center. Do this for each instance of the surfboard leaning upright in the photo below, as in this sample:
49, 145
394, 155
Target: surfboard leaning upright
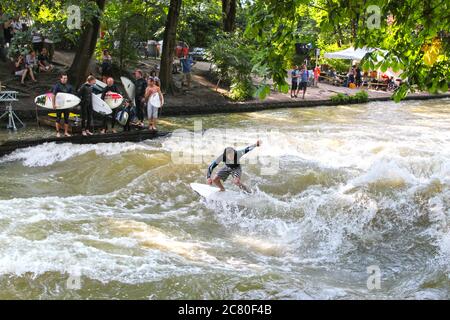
129, 86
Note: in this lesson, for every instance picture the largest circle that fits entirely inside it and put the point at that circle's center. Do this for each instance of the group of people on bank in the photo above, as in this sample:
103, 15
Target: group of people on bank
135, 110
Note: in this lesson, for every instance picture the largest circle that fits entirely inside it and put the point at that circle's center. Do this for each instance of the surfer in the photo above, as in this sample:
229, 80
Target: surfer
230, 157
85, 94
62, 86
110, 87
139, 99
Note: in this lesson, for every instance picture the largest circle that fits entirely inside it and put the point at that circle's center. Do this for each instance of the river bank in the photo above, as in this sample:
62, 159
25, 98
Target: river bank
205, 97
173, 107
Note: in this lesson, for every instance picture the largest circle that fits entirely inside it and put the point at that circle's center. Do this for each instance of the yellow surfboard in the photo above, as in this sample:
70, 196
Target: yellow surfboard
71, 115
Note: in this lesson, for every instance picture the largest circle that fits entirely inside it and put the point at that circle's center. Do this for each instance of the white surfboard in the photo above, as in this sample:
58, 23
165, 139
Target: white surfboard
113, 99
155, 101
62, 101
99, 105
100, 83
213, 193
129, 86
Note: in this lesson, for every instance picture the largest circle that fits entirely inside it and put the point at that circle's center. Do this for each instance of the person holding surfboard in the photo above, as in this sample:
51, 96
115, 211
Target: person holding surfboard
231, 158
62, 86
140, 85
155, 100
110, 87
85, 94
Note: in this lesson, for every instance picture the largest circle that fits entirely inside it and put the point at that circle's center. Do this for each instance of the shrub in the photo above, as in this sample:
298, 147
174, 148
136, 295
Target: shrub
232, 60
360, 96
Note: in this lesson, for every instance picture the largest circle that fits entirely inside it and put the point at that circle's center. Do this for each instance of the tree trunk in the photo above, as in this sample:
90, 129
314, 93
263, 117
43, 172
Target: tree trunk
2, 38
86, 46
229, 15
170, 34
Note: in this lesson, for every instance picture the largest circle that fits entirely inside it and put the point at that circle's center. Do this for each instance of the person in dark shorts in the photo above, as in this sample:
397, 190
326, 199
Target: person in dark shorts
62, 86
294, 82
230, 157
303, 83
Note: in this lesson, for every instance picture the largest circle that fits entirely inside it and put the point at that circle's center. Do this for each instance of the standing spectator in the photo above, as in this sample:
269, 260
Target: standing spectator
106, 65
187, 63
351, 75
16, 25
85, 94
44, 61
140, 85
62, 86
8, 32
295, 74
110, 87
22, 70
358, 79
303, 84
50, 46
316, 75
152, 111
36, 40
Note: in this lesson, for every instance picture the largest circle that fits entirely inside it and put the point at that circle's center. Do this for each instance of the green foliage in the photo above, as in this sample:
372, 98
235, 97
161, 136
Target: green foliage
232, 59
416, 39
126, 24
360, 96
21, 44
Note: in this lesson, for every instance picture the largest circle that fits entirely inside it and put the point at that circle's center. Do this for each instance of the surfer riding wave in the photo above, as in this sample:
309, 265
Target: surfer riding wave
230, 157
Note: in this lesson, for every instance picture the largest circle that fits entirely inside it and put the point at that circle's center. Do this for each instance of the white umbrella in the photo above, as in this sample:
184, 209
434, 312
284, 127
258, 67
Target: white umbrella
349, 54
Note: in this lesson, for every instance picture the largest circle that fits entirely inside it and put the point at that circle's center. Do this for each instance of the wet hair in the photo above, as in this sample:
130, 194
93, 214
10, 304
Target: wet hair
62, 75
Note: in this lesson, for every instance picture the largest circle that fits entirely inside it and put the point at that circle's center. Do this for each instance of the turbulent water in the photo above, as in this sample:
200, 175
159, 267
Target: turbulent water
339, 193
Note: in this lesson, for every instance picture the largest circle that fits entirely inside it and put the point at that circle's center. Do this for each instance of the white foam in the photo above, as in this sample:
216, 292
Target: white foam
50, 153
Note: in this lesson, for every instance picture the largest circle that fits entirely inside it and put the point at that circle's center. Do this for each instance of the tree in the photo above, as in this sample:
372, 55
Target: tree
86, 47
169, 46
2, 37
229, 15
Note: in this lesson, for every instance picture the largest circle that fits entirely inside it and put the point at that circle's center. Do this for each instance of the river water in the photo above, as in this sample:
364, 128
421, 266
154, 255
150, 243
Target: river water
349, 202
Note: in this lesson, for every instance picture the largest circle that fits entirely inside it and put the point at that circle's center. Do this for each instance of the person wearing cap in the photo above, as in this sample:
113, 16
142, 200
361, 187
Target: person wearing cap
141, 86
231, 158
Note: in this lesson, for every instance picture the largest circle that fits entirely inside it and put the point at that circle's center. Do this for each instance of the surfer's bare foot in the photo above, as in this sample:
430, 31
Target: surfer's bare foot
89, 133
58, 135
114, 131
67, 135
103, 131
84, 133
222, 190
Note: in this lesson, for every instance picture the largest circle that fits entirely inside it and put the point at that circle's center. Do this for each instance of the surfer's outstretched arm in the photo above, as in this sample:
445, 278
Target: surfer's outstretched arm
246, 150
